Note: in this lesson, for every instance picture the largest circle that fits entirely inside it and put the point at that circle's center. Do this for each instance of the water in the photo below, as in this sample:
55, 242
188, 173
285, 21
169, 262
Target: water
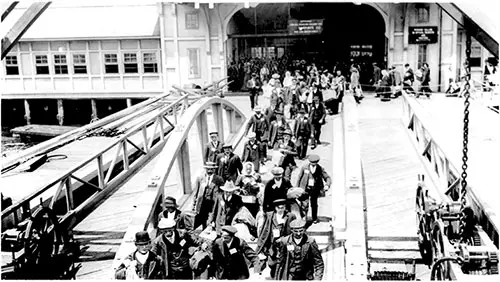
12, 145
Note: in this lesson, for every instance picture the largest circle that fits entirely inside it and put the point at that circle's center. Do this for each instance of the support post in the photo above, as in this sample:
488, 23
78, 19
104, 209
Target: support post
202, 125
183, 163
60, 111
129, 103
27, 113
231, 120
218, 120
94, 115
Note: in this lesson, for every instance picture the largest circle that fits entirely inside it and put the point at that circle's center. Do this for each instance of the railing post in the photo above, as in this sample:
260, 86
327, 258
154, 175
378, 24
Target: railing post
218, 120
125, 155
201, 124
69, 194
162, 129
184, 164
100, 172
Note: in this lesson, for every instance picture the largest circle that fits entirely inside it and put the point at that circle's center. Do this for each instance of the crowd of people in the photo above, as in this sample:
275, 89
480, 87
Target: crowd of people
231, 198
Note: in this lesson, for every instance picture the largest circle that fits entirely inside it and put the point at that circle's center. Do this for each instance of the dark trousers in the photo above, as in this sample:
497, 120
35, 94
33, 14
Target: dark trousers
313, 202
253, 98
180, 274
302, 146
202, 217
316, 132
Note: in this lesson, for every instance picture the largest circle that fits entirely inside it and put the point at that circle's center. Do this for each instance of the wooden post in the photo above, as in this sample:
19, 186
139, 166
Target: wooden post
231, 120
60, 111
183, 162
94, 115
202, 125
218, 120
129, 103
27, 113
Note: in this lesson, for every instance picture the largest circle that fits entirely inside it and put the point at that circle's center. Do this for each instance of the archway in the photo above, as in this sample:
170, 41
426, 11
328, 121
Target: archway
349, 33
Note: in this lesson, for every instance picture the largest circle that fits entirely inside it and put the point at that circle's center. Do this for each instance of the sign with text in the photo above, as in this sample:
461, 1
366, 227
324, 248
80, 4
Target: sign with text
305, 26
422, 34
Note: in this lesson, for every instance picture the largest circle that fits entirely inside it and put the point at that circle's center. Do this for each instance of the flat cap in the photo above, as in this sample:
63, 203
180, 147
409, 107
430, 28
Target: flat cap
257, 109
297, 223
229, 229
227, 146
277, 170
166, 223
287, 132
210, 165
278, 202
313, 158
213, 133
251, 134
302, 111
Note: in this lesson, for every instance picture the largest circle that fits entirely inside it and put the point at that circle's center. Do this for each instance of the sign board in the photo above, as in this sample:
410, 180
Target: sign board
422, 34
363, 50
305, 26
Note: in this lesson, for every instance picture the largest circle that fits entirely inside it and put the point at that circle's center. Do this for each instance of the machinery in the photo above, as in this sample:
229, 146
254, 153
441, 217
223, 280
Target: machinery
39, 248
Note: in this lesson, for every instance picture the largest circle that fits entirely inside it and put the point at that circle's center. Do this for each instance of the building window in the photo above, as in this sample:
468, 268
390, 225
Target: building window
79, 63
42, 64
11, 65
192, 20
149, 62
60, 64
422, 54
194, 63
130, 63
256, 52
475, 56
111, 63
422, 13
281, 52
269, 52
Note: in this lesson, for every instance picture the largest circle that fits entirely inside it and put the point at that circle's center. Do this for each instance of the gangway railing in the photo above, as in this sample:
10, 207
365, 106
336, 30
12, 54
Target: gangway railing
446, 176
149, 203
131, 151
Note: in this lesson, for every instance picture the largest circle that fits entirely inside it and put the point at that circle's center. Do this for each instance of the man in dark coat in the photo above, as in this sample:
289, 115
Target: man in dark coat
377, 76
206, 188
252, 152
425, 80
299, 255
230, 255
311, 177
253, 86
259, 124
229, 164
287, 147
213, 148
318, 115
173, 246
302, 133
142, 263
276, 225
276, 188
277, 128
408, 79
226, 205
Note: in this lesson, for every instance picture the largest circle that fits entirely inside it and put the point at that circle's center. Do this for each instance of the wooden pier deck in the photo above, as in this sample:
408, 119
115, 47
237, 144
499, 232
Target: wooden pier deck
42, 130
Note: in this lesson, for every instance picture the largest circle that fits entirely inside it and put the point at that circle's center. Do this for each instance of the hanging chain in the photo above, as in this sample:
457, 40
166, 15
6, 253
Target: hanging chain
465, 158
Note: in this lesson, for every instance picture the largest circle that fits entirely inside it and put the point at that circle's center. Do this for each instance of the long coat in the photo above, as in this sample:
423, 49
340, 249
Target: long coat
253, 153
153, 268
266, 233
311, 259
211, 152
230, 261
182, 238
302, 128
271, 194
276, 130
201, 193
260, 125
319, 175
224, 212
229, 168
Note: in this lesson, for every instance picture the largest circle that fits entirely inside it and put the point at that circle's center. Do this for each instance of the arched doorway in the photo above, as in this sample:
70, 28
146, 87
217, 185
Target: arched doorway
349, 33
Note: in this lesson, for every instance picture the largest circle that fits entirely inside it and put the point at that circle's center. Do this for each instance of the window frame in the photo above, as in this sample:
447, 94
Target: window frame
11, 65
188, 20
198, 62
106, 63
42, 64
422, 54
154, 62
76, 63
127, 65
60, 66
420, 18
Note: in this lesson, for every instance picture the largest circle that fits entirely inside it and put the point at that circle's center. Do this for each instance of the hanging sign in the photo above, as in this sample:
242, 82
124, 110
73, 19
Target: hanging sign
305, 26
422, 34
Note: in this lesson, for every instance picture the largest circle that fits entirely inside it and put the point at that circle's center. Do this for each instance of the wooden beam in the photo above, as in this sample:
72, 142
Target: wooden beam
9, 9
22, 25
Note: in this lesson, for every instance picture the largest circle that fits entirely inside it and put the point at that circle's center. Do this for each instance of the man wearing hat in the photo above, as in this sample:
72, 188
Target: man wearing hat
299, 257
277, 128
252, 151
287, 147
276, 188
213, 148
302, 133
205, 190
276, 225
226, 205
253, 86
230, 256
291, 99
142, 263
229, 164
172, 245
171, 211
258, 124
318, 115
311, 177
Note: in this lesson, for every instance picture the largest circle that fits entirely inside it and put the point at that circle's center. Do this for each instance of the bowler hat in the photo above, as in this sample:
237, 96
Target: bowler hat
229, 187
279, 202
277, 171
313, 158
166, 223
297, 223
287, 132
170, 202
142, 238
210, 165
229, 229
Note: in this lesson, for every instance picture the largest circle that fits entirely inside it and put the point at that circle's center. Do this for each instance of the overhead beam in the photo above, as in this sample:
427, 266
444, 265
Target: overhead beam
471, 27
9, 9
22, 25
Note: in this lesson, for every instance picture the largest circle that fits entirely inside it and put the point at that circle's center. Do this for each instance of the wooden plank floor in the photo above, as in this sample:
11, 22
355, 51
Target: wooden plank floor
390, 166
42, 130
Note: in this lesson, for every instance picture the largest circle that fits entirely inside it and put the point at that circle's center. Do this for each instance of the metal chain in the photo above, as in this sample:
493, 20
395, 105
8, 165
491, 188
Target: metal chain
465, 158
